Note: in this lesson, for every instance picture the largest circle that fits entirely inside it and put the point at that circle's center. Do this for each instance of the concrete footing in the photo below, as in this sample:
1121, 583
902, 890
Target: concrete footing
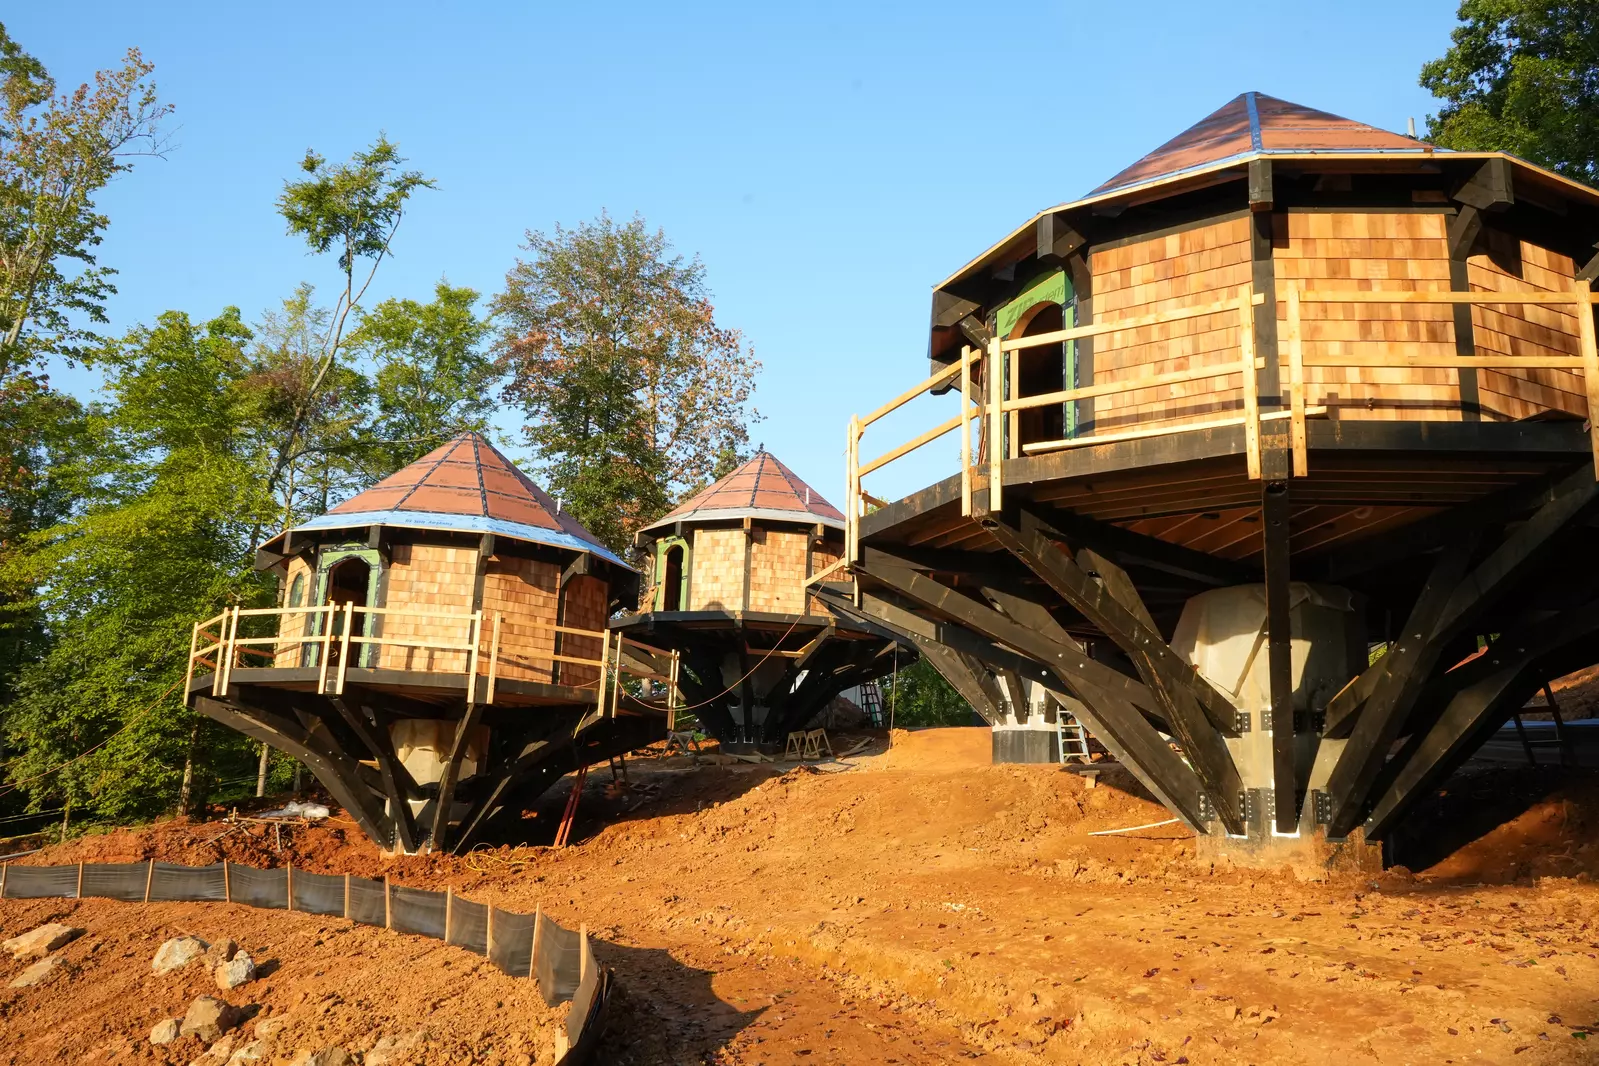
1309, 854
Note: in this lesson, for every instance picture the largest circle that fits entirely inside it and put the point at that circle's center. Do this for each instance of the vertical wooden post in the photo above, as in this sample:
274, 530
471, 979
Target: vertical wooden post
1013, 424
533, 952
344, 646
1296, 386
616, 682
194, 643
388, 910
1246, 344
80, 882
4, 867
325, 615
583, 953
149, 878
230, 632
494, 655
488, 932
1590, 359
290, 892
605, 657
851, 488
346, 895
227, 882
475, 639
449, 911
995, 373
966, 430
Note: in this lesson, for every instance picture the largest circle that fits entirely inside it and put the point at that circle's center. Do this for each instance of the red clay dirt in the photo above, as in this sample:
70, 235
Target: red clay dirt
923, 906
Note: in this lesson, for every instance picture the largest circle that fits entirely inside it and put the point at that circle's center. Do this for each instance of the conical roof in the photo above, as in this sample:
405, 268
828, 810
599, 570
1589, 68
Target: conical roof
1257, 124
466, 484
761, 488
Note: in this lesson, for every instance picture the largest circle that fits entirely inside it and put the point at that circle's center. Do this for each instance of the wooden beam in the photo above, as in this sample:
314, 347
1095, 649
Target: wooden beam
1057, 236
1199, 715
1275, 507
949, 309
1490, 188
397, 783
1463, 234
452, 774
961, 675
1260, 185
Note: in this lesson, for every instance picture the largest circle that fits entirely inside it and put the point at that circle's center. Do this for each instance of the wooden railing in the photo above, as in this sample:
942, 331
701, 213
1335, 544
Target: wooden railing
329, 638
996, 412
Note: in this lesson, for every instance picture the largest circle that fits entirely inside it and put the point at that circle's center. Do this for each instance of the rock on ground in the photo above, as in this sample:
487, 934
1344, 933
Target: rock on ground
219, 952
236, 971
215, 1055
267, 1028
38, 972
331, 1056
254, 1051
208, 1018
41, 941
165, 1032
177, 953
392, 1050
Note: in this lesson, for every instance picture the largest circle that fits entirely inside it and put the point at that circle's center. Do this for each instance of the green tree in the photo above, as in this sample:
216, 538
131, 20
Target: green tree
920, 696
160, 540
432, 375
56, 154
632, 392
353, 209
1522, 76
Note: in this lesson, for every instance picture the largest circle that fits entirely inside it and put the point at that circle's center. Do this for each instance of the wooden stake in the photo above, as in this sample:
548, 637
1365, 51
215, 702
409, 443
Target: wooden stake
488, 933
4, 867
346, 896
449, 911
149, 878
533, 952
227, 882
80, 881
290, 892
388, 910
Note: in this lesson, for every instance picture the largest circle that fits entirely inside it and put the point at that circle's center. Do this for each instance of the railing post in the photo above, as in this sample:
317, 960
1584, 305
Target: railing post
852, 490
324, 614
966, 430
194, 642
616, 681
474, 638
671, 692
230, 631
1296, 386
605, 655
494, 655
344, 645
1590, 360
1246, 344
994, 372
1013, 424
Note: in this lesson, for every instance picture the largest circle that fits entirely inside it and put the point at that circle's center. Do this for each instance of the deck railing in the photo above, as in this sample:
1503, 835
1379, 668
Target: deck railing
997, 412
329, 638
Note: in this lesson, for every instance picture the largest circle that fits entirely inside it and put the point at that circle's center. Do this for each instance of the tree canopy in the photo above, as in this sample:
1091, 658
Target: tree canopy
633, 394
1522, 76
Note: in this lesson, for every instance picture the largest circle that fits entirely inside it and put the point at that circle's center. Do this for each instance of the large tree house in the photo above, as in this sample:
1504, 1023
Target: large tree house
731, 590
1275, 465
440, 654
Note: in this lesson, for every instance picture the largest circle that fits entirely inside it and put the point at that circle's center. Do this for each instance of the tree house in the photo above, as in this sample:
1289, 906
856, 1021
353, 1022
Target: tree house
731, 589
1274, 463
440, 650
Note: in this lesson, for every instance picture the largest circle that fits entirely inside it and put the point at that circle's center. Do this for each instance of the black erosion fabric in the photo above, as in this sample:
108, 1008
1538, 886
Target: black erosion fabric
556, 961
172, 883
259, 888
469, 925
115, 880
366, 901
318, 893
511, 948
34, 882
416, 910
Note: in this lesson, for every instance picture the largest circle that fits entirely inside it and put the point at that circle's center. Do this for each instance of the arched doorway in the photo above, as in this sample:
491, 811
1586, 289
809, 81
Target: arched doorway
672, 583
350, 582
1042, 370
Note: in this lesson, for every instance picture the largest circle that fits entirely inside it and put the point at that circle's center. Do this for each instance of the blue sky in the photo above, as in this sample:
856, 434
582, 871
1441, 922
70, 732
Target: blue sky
828, 162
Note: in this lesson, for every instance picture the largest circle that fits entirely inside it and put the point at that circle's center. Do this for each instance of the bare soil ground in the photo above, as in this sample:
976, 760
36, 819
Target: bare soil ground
922, 906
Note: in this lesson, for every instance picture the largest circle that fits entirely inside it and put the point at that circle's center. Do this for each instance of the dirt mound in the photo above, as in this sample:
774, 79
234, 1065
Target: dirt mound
326, 981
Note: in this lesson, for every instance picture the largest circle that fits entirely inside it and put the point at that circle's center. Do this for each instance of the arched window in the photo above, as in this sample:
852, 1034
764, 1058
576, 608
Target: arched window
297, 591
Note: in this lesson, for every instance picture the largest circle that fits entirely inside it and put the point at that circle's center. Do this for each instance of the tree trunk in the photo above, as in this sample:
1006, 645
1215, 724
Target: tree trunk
261, 772
186, 794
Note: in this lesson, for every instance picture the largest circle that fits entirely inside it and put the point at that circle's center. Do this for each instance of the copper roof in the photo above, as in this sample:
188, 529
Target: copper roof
761, 488
466, 484
1257, 124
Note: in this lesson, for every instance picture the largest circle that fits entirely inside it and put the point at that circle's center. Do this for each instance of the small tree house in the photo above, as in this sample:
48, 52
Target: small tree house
439, 652
731, 588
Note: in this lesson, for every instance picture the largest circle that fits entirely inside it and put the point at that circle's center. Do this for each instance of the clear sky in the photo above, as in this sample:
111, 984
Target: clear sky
828, 162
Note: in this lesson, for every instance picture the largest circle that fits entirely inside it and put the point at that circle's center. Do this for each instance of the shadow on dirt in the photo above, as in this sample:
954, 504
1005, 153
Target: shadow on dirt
663, 1012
